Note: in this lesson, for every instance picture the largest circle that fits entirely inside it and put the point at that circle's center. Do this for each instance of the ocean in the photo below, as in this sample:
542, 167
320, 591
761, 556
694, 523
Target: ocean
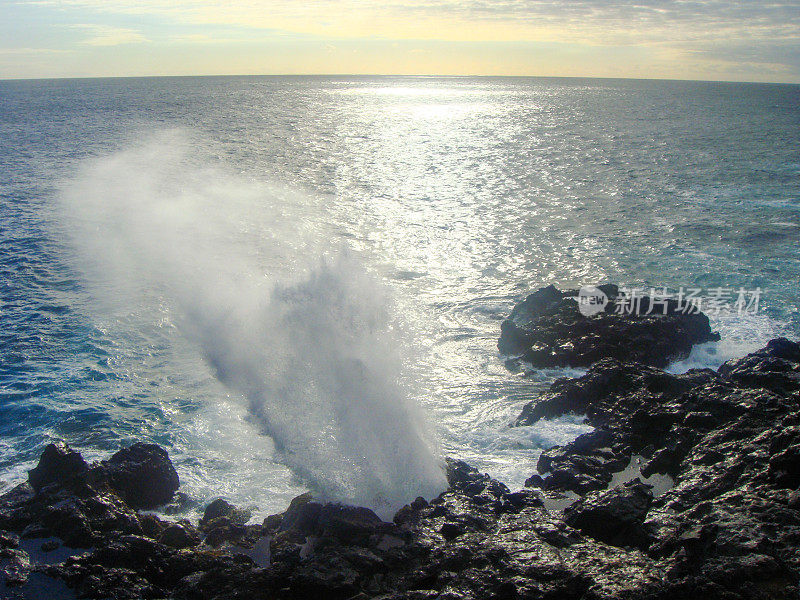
297, 283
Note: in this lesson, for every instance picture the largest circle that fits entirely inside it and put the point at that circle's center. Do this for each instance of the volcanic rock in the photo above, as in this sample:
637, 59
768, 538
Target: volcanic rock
58, 464
143, 475
728, 527
547, 329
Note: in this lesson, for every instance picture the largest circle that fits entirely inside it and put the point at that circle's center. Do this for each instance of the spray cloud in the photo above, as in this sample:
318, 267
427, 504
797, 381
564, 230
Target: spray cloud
304, 334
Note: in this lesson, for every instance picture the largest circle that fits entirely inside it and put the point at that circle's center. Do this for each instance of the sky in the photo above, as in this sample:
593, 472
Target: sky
726, 40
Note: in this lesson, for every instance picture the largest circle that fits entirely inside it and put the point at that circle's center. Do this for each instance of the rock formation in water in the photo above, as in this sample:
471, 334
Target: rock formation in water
547, 329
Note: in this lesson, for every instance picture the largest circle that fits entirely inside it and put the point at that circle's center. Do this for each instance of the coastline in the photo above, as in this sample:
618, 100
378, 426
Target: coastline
586, 525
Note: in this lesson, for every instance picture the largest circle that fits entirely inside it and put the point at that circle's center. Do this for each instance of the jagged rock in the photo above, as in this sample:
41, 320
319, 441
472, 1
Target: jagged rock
784, 462
611, 391
615, 516
348, 524
774, 367
636, 409
143, 475
480, 487
8, 540
548, 330
15, 567
58, 465
728, 526
450, 531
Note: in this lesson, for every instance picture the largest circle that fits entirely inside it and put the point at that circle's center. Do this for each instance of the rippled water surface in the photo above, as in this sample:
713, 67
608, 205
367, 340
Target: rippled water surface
455, 196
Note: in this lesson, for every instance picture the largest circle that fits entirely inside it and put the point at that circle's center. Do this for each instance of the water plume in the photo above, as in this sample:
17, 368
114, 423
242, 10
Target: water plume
302, 331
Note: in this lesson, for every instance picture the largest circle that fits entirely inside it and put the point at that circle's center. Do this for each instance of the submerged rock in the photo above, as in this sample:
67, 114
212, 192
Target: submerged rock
547, 329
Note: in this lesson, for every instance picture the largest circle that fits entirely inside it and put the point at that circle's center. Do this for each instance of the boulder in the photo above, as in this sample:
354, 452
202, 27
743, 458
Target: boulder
142, 475
222, 508
59, 464
347, 524
179, 535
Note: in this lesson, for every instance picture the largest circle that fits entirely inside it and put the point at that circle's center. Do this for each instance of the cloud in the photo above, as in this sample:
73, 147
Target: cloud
599, 21
104, 35
29, 51
683, 33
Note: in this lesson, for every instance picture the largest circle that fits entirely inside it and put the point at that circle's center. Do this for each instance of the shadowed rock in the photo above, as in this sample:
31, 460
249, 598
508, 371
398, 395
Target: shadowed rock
616, 516
223, 509
143, 475
350, 524
58, 464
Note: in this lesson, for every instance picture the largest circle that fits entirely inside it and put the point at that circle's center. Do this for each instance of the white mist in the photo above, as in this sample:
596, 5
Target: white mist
297, 328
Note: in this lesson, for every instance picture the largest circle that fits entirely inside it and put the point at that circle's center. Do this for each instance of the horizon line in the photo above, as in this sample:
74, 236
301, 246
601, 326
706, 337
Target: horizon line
417, 75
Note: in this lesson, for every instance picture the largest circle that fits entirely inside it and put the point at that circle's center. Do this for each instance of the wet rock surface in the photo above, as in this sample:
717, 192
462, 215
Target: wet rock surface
547, 329
728, 528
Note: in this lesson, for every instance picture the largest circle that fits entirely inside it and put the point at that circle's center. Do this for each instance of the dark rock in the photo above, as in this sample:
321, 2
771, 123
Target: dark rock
612, 391
548, 330
467, 479
273, 522
616, 516
302, 516
419, 503
143, 475
151, 525
221, 508
15, 567
728, 527
68, 520
451, 531
730, 439
347, 524
179, 535
784, 467
58, 464
8, 540
774, 367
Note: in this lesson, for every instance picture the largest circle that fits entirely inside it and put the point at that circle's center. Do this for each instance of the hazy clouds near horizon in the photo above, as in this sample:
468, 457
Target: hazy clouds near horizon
702, 39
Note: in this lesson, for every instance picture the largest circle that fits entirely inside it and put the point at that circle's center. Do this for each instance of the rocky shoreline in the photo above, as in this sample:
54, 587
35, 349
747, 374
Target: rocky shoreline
686, 488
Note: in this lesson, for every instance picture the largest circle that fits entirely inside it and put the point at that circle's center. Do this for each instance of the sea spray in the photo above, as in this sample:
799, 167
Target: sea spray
289, 320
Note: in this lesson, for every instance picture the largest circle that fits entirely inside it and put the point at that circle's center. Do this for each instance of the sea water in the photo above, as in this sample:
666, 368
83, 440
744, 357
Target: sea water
297, 283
